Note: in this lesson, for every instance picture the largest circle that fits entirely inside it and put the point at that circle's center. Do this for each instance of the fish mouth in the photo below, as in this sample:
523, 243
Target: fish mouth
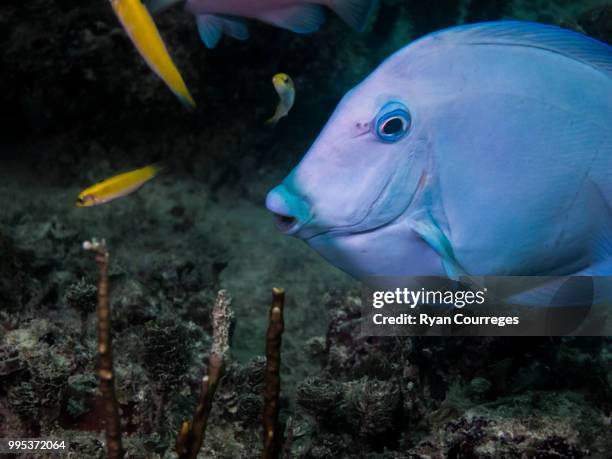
285, 223
83, 201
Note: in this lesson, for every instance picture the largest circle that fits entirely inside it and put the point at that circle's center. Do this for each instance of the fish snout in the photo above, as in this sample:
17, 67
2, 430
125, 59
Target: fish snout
290, 211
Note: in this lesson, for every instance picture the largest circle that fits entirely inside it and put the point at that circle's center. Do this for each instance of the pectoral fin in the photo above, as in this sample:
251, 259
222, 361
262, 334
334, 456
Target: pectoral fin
298, 19
354, 12
437, 240
601, 237
588, 287
559, 292
211, 27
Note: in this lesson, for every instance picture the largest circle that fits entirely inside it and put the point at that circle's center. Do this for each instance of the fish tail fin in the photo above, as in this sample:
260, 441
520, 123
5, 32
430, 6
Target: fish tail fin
274, 120
354, 12
281, 112
186, 99
155, 168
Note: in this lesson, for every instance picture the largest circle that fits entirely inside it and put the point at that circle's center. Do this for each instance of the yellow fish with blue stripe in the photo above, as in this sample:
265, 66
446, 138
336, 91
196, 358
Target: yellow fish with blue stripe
116, 187
140, 27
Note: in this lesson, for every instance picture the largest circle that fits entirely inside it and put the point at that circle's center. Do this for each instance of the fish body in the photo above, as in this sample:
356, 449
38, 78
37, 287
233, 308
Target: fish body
286, 93
116, 187
141, 29
479, 150
300, 16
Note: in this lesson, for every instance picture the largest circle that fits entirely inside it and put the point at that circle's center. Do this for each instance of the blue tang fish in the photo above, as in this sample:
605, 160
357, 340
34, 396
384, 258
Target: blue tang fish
483, 149
217, 17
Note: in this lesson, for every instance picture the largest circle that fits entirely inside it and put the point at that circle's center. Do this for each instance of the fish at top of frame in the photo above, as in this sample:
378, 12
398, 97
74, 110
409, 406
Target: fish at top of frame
217, 17
140, 27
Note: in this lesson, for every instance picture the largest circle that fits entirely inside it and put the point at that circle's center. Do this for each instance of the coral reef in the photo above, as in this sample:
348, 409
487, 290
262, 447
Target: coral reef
272, 430
105, 367
191, 436
467, 397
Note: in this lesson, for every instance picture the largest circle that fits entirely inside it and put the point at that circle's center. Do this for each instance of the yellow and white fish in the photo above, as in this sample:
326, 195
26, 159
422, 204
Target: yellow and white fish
141, 29
116, 187
286, 92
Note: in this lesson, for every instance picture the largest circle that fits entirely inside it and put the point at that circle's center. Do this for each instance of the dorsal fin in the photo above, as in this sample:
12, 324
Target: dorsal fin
566, 42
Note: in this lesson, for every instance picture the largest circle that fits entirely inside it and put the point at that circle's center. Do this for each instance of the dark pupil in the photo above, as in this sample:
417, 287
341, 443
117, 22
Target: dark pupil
393, 126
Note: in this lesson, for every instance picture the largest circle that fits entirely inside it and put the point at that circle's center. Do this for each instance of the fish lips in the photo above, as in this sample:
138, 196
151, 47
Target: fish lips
290, 212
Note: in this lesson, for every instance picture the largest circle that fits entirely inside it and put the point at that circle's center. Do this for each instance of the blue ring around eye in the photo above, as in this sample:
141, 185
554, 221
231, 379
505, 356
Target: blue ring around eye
393, 122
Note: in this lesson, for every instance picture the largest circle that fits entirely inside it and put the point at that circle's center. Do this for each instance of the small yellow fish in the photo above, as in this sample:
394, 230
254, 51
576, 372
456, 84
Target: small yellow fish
116, 187
286, 92
141, 29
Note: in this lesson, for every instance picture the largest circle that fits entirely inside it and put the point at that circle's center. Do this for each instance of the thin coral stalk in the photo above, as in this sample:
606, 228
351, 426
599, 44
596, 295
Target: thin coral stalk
191, 436
105, 353
272, 431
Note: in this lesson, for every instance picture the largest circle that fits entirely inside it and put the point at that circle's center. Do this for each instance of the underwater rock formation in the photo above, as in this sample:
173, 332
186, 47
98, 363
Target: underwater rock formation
18, 284
464, 397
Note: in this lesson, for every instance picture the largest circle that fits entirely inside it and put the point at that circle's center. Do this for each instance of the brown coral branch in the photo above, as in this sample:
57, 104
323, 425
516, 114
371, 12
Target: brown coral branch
272, 433
105, 353
191, 436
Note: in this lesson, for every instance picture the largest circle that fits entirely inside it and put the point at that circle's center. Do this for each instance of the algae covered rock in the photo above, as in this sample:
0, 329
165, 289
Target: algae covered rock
372, 409
167, 351
18, 283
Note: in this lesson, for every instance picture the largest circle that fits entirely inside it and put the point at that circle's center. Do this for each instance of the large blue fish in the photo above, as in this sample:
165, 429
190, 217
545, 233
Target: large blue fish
484, 149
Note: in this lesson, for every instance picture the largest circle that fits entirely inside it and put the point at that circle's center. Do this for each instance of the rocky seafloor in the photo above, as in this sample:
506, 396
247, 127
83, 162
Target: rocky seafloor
78, 105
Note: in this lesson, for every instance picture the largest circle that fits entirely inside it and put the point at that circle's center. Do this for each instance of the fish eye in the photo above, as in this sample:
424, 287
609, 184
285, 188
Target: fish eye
393, 122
